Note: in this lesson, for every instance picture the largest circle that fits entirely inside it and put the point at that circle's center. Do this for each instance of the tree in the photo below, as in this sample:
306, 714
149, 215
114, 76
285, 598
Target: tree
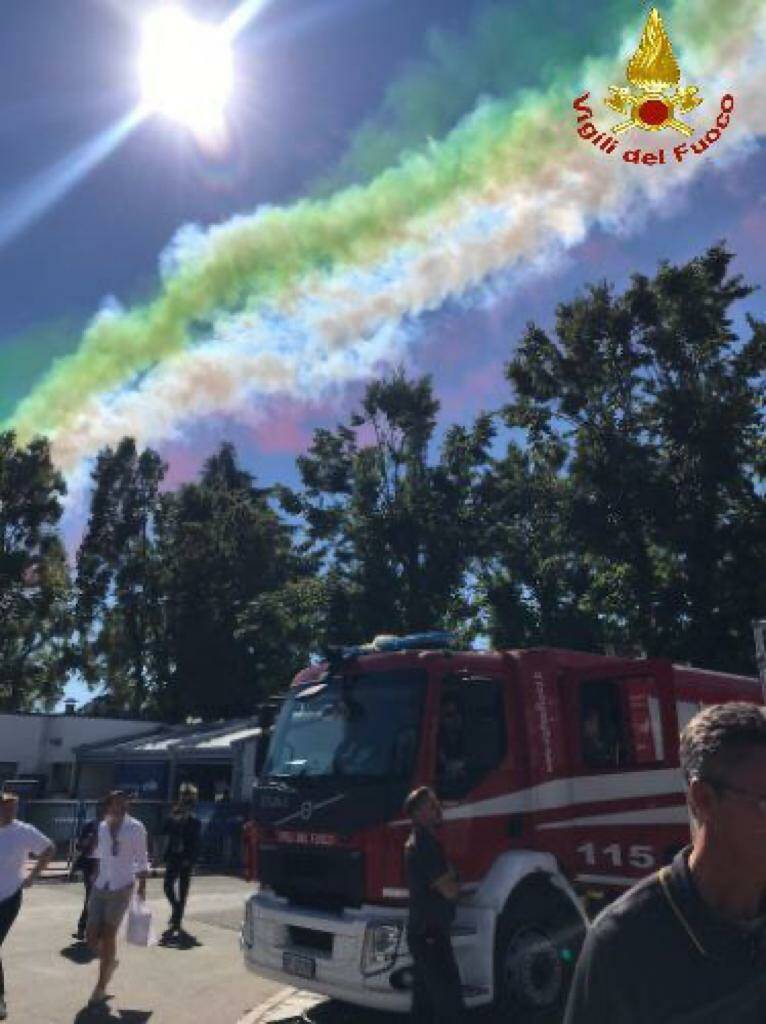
653, 411
229, 582
119, 606
394, 533
708, 414
530, 573
34, 580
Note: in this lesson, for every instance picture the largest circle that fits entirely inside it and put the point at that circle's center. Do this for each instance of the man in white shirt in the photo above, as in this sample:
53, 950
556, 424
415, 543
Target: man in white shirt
122, 855
18, 841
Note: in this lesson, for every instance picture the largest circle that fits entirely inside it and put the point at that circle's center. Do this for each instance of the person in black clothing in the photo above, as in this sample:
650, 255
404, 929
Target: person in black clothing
688, 944
434, 890
182, 830
87, 863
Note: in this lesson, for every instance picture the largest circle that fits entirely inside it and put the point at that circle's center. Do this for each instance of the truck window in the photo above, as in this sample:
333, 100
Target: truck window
687, 709
620, 723
472, 736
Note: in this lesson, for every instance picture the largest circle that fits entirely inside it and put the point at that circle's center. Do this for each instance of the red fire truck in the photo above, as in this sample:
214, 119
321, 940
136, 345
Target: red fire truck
558, 772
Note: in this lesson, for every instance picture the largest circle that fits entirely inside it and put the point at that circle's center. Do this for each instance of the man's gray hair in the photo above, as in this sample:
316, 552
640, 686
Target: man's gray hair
721, 737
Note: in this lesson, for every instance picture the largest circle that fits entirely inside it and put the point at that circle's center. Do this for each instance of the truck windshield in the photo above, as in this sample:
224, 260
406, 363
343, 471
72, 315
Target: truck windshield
357, 726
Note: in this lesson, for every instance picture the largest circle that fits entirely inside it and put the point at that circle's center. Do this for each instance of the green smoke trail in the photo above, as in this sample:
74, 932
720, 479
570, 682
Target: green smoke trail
25, 357
509, 47
273, 254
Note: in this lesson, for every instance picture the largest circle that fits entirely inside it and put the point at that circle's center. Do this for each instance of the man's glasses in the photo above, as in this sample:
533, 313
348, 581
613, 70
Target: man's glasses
756, 798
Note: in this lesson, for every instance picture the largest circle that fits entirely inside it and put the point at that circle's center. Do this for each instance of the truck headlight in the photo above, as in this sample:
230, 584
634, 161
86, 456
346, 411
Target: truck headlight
381, 946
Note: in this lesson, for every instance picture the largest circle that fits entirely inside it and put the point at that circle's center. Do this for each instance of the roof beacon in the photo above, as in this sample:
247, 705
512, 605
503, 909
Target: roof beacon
435, 639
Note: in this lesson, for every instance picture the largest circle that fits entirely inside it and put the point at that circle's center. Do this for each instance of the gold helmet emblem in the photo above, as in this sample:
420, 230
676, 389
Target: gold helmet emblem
653, 70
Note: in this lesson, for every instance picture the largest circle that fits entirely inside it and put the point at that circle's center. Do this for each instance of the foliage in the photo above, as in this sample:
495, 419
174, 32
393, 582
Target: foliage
642, 425
34, 580
393, 531
118, 600
231, 584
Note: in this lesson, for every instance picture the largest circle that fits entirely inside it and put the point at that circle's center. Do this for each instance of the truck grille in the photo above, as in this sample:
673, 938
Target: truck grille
326, 879
310, 938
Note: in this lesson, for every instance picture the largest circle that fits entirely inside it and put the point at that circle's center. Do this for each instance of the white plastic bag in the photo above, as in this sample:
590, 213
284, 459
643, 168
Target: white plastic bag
140, 931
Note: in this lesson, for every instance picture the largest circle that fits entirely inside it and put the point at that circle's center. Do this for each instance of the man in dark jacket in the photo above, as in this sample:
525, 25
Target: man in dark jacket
87, 863
688, 945
182, 829
434, 890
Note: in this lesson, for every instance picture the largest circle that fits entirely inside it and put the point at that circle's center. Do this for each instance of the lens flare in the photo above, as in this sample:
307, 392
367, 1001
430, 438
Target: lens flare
186, 70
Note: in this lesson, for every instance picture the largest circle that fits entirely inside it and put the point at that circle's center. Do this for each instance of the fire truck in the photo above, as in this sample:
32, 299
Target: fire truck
559, 778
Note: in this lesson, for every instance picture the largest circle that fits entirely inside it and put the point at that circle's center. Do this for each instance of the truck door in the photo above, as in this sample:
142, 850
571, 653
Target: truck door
473, 762
627, 808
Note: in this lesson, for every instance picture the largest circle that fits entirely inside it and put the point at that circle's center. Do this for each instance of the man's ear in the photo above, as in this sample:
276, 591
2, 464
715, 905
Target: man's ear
702, 800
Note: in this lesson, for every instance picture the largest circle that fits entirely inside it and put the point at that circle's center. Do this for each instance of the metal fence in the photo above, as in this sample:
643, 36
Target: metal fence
222, 823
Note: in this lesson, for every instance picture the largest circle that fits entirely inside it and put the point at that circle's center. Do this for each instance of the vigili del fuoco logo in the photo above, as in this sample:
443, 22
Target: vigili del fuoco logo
654, 101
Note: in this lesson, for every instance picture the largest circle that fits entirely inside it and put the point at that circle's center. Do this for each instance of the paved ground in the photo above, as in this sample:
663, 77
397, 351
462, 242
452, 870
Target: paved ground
47, 981
49, 975
293, 1007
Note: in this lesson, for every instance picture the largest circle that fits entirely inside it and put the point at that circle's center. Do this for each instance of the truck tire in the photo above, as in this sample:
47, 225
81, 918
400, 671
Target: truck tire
537, 942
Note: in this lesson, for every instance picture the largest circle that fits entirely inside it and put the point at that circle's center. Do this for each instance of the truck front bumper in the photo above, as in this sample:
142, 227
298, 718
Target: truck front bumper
337, 947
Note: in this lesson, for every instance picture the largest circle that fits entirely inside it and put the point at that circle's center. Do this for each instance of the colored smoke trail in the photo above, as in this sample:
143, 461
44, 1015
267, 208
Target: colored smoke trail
528, 189
502, 53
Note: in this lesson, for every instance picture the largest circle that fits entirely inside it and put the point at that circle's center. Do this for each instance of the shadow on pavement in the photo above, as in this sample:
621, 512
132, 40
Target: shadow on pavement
333, 1012
179, 940
103, 1014
78, 953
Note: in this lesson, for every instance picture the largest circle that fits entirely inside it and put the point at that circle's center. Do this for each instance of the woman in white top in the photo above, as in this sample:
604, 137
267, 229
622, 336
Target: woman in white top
17, 842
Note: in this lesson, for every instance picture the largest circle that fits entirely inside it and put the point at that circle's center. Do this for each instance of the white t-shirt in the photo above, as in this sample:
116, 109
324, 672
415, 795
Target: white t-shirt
17, 841
121, 859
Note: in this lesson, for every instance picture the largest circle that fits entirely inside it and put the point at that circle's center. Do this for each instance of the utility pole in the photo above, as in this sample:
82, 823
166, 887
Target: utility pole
759, 631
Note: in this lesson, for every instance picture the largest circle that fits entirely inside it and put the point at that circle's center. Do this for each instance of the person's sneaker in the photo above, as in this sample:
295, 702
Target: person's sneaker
3, 1009
98, 996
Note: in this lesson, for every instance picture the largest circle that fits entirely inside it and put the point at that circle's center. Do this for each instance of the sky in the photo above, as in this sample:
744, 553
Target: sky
400, 183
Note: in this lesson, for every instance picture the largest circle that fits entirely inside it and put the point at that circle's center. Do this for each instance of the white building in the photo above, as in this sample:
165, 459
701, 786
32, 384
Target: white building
43, 745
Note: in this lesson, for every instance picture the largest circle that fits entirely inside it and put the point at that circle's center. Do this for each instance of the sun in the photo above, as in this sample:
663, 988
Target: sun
186, 70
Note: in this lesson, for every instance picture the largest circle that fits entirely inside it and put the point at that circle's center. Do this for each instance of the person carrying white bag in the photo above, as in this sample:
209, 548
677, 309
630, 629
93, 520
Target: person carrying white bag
123, 858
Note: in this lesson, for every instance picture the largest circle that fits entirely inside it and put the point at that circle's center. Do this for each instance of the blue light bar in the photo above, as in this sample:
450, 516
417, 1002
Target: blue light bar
436, 639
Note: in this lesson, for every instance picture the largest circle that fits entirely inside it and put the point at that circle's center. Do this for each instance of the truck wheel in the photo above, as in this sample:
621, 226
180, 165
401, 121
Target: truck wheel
537, 943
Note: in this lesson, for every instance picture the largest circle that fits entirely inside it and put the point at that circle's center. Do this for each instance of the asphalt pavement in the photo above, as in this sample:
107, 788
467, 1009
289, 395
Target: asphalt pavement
49, 976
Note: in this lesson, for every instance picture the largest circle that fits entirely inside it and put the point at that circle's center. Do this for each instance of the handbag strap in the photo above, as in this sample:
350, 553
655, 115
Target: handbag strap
663, 875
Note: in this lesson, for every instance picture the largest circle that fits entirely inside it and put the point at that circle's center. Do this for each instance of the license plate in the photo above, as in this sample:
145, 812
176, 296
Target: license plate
300, 966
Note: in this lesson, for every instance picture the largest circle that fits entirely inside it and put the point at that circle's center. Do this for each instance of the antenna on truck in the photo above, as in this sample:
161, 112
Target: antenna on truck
759, 631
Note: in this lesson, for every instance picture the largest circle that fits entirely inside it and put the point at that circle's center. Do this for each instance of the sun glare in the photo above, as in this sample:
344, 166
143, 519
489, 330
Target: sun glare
186, 70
